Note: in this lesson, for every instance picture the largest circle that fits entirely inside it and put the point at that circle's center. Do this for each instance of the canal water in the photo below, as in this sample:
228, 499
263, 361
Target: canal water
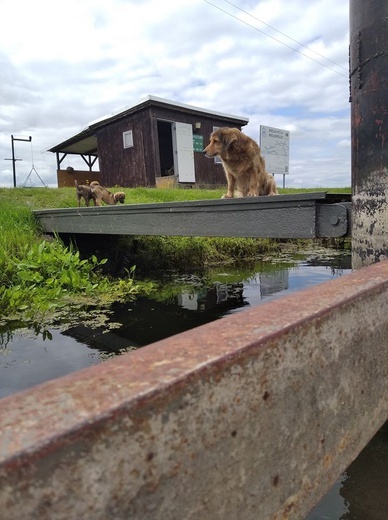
180, 302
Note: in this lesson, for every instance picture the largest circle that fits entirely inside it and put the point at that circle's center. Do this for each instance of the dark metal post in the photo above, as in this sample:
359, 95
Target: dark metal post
13, 159
13, 162
369, 130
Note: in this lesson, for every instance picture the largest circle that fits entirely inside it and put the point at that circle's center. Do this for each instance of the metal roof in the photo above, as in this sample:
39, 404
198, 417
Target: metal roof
85, 142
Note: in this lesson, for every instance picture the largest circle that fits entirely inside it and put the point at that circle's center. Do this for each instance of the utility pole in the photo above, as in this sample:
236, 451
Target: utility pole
13, 156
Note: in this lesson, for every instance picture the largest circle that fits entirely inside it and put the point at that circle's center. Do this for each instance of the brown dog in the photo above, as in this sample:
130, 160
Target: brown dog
83, 191
101, 194
243, 163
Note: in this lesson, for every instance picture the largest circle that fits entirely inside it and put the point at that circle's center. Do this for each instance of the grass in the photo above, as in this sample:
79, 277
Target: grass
46, 198
39, 276
18, 228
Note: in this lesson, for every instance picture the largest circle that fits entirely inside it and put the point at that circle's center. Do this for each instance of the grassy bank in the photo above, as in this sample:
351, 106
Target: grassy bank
42, 198
38, 275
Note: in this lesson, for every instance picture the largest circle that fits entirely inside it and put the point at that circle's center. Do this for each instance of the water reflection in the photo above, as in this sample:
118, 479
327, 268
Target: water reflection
177, 303
333, 506
365, 488
361, 491
273, 283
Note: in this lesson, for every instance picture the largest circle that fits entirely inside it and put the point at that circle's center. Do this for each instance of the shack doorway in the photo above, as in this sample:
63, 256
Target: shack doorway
176, 154
166, 154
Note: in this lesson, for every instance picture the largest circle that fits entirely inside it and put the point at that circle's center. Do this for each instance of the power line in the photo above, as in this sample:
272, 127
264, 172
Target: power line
289, 37
279, 41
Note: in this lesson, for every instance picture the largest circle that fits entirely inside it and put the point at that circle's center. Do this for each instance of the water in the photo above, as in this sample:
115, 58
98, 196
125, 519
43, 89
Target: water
180, 303
361, 493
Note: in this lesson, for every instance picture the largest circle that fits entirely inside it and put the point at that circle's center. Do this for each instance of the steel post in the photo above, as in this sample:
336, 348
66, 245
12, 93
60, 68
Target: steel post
369, 130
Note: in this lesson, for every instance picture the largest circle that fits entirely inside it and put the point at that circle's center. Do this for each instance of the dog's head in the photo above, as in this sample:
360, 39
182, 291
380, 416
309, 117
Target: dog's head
119, 197
222, 140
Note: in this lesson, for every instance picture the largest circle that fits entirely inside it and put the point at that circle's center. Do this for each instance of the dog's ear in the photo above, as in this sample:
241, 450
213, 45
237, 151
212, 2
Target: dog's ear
229, 138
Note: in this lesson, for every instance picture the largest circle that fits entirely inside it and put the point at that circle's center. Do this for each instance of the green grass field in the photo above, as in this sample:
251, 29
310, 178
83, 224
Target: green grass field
42, 198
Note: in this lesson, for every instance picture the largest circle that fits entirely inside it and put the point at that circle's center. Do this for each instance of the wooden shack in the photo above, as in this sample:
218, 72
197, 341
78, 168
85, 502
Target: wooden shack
154, 142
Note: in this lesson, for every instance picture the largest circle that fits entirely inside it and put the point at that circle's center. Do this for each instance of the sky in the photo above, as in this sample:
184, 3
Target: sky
281, 63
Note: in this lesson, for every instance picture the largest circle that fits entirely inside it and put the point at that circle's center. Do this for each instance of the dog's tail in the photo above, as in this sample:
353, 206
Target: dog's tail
76, 183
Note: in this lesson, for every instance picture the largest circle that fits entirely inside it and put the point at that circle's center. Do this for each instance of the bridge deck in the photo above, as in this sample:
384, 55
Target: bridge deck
308, 215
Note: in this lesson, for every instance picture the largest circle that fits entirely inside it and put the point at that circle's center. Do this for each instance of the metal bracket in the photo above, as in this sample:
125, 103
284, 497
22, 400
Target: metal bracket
333, 220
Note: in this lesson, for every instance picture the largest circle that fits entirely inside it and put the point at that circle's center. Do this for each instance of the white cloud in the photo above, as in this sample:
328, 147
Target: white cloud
62, 70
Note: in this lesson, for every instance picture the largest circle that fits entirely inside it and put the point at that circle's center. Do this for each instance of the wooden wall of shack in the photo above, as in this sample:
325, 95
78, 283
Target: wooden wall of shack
140, 164
124, 166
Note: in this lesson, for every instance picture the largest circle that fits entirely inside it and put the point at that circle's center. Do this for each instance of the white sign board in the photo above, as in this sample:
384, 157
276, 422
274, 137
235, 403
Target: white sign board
275, 148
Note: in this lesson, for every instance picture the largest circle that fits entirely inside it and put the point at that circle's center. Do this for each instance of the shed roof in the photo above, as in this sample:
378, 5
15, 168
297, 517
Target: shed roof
85, 142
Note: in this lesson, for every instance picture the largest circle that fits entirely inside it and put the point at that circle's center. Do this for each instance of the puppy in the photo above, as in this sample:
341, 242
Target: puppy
269, 185
84, 191
101, 194
243, 163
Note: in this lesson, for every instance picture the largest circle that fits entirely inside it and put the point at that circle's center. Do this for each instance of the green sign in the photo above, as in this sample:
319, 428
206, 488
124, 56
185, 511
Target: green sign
198, 143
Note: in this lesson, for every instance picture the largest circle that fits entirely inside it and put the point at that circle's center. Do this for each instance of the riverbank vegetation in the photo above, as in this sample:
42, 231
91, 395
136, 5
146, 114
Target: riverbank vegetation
40, 275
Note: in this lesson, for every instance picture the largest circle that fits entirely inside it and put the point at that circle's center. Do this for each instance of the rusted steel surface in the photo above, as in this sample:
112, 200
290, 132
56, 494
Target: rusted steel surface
306, 215
253, 416
369, 111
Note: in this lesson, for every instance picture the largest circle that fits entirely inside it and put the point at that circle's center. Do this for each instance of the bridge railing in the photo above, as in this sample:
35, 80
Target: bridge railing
252, 416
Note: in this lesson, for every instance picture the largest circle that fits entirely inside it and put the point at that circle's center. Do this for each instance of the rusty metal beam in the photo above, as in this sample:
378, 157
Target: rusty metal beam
308, 215
252, 416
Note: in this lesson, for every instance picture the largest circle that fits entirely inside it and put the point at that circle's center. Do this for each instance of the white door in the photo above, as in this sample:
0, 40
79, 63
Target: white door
182, 140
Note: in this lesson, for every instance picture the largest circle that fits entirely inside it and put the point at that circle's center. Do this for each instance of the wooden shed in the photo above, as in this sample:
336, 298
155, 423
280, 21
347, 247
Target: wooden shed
154, 142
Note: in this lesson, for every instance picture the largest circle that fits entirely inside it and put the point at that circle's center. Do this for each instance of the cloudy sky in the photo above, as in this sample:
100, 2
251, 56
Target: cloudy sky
281, 63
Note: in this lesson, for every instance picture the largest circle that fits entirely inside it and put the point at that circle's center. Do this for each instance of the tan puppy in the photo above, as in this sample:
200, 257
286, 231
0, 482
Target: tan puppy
243, 163
84, 191
101, 194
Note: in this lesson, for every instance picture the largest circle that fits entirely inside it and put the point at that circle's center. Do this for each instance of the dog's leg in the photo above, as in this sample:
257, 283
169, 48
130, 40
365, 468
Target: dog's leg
231, 184
253, 186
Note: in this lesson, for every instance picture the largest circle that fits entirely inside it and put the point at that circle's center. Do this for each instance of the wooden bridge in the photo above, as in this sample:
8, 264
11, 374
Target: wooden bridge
308, 215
